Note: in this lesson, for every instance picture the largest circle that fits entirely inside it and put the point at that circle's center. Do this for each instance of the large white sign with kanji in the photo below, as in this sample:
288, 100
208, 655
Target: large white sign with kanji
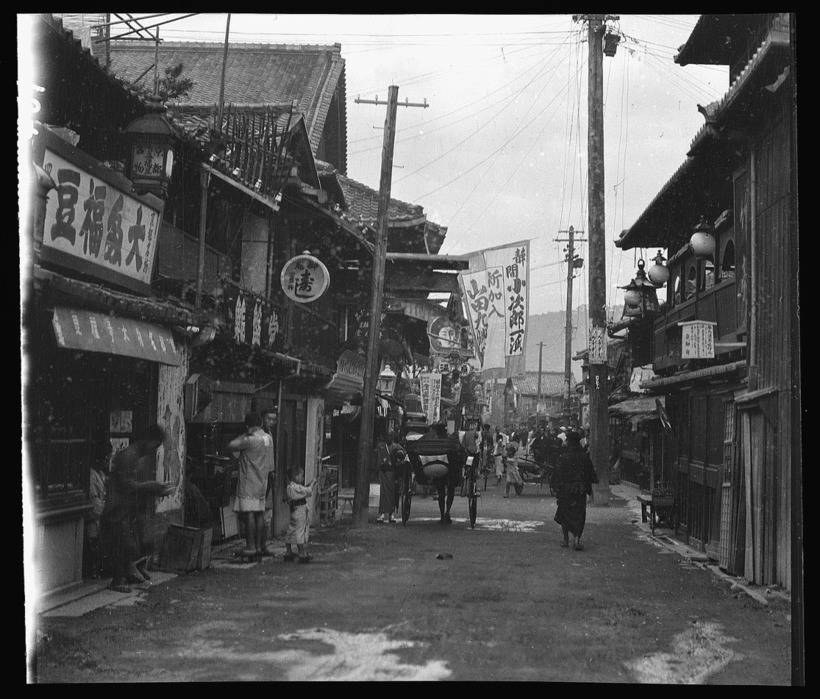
93, 223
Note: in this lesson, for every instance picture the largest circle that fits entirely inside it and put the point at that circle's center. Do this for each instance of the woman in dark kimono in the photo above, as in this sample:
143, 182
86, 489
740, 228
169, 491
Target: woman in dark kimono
572, 481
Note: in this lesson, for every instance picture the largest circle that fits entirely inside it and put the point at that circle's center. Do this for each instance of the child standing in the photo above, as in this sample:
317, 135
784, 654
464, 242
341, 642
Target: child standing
513, 474
299, 527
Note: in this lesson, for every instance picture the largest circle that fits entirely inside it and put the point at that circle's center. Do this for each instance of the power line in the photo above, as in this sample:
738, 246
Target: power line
453, 111
515, 169
483, 160
486, 123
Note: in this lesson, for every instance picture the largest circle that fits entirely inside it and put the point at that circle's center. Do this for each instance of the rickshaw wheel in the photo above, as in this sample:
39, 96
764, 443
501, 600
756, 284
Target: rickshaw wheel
473, 507
405, 508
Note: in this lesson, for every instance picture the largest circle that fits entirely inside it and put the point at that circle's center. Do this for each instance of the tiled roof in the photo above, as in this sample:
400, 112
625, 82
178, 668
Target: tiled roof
718, 110
362, 201
56, 24
552, 383
255, 73
761, 64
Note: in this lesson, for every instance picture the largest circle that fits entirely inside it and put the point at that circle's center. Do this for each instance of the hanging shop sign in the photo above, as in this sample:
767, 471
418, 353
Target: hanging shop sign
697, 339
99, 332
430, 391
444, 334
349, 376
304, 278
253, 320
94, 224
597, 345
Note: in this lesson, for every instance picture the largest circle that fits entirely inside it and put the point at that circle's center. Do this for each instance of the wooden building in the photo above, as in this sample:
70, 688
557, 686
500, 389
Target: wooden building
732, 417
106, 354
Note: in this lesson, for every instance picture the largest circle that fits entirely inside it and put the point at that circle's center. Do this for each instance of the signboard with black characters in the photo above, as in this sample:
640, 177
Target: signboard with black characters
94, 223
251, 319
304, 278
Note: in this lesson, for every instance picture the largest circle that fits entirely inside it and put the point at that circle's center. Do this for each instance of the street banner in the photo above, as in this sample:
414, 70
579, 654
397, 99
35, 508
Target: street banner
477, 303
697, 339
430, 390
514, 264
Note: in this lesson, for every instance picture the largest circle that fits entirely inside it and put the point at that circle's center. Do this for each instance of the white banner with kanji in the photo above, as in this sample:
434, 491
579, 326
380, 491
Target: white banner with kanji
514, 264
430, 390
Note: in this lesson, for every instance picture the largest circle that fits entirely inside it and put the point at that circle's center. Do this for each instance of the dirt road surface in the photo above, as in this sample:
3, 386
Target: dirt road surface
377, 604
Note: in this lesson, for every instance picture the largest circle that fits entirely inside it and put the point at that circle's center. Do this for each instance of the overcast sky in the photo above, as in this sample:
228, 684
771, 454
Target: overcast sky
500, 154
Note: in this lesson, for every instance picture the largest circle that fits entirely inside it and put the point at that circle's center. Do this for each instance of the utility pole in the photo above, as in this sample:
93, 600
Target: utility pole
572, 264
222, 79
540, 364
598, 369
361, 495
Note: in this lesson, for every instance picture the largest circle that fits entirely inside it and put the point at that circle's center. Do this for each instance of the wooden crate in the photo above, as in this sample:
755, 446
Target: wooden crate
185, 549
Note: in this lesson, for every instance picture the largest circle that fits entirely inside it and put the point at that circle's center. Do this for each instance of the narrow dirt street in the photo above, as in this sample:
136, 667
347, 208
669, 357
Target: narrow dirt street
378, 604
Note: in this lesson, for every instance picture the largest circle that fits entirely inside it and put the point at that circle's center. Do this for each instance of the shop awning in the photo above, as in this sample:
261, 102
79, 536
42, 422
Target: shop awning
634, 407
711, 372
97, 332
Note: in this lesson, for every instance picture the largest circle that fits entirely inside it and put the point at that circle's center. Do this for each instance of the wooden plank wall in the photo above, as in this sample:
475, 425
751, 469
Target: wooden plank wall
772, 339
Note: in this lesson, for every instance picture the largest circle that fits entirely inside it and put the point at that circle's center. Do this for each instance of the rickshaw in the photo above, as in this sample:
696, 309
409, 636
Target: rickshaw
437, 460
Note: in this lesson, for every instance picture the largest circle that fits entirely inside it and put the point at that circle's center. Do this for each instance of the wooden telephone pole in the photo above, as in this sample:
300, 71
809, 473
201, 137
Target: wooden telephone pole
598, 370
361, 494
570, 240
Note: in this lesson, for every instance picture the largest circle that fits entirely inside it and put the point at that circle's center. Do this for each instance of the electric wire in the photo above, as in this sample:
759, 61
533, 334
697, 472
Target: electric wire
435, 128
499, 189
403, 83
509, 102
487, 157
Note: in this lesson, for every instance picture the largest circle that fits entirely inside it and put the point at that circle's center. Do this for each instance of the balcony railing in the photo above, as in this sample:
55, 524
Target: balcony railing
249, 142
718, 304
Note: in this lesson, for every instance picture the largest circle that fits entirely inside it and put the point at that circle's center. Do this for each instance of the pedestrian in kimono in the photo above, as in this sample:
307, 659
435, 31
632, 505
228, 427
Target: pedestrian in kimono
387, 481
498, 456
299, 528
513, 474
253, 449
572, 482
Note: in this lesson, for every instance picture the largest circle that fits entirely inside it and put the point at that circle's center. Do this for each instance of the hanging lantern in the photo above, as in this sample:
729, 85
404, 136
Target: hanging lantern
640, 298
702, 240
151, 160
658, 273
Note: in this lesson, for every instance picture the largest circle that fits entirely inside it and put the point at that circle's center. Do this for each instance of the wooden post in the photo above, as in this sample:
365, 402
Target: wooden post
362, 493
156, 63
222, 79
798, 645
568, 319
598, 373
204, 181
540, 365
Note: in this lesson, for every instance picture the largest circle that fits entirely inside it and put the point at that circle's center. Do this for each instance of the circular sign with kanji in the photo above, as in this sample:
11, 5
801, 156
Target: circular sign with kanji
304, 278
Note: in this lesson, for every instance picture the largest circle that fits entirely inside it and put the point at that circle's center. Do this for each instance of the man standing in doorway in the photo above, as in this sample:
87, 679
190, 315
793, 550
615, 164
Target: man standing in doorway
253, 451
120, 512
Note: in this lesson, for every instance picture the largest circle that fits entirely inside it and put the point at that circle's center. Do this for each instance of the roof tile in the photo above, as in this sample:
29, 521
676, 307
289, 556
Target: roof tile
254, 73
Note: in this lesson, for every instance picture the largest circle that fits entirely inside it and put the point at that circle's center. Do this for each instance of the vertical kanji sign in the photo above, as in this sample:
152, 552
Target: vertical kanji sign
477, 301
697, 339
510, 267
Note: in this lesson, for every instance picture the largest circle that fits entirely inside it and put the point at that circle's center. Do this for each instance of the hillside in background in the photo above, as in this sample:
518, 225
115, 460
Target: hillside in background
549, 329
